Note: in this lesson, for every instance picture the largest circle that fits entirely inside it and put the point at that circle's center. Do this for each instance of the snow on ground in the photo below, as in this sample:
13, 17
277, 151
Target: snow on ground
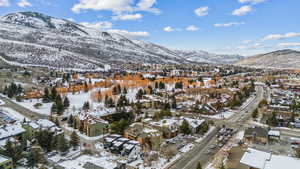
73, 153
79, 162
29, 104
13, 114
1, 102
240, 135
77, 100
223, 115
210, 166
131, 94
187, 148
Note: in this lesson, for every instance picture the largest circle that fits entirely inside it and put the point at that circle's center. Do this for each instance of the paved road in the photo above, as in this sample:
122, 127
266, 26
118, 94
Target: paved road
191, 159
198, 154
22, 110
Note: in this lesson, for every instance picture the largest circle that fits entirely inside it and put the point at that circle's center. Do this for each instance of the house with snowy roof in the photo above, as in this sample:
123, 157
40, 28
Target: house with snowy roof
194, 124
168, 126
13, 132
256, 159
146, 135
32, 127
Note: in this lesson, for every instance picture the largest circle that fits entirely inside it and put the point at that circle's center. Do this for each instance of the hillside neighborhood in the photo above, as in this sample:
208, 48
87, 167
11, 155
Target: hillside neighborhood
149, 116
149, 84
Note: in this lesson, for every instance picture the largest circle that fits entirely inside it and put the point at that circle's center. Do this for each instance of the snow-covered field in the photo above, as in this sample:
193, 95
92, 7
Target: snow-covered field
29, 104
79, 162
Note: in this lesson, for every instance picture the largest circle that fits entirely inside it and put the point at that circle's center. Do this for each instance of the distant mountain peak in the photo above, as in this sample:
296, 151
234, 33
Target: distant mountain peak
285, 59
41, 21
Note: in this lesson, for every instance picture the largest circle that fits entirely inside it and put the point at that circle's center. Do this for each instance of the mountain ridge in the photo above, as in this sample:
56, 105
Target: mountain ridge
30, 38
282, 59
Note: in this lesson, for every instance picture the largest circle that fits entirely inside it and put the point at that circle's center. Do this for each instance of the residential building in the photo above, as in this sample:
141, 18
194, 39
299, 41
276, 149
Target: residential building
256, 134
5, 162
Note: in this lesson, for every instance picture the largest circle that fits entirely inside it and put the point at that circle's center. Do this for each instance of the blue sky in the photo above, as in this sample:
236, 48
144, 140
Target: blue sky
244, 27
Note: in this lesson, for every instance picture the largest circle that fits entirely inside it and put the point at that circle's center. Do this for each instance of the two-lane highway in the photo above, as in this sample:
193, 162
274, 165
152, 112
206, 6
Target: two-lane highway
199, 153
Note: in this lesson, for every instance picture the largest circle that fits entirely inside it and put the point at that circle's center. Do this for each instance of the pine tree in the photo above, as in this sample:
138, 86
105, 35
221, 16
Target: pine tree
70, 121
174, 104
53, 93
13, 151
45, 139
125, 90
255, 114
62, 144
74, 142
156, 85
53, 108
185, 128
86, 106
46, 97
162, 85
205, 127
139, 94
32, 159
66, 102
199, 166
178, 85
59, 105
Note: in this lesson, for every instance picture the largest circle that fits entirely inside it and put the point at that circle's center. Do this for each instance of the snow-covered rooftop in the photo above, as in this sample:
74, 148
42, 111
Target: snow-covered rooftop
264, 160
10, 130
44, 123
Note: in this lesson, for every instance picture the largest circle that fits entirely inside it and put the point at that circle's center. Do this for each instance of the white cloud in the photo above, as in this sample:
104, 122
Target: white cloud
134, 35
146, 5
228, 24
252, 1
242, 10
4, 3
97, 25
169, 29
247, 41
24, 3
291, 44
192, 28
252, 46
125, 17
281, 36
116, 6
202, 11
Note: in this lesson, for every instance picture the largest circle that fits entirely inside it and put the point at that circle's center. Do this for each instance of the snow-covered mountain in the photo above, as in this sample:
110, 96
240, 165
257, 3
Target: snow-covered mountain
284, 59
29, 38
202, 56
